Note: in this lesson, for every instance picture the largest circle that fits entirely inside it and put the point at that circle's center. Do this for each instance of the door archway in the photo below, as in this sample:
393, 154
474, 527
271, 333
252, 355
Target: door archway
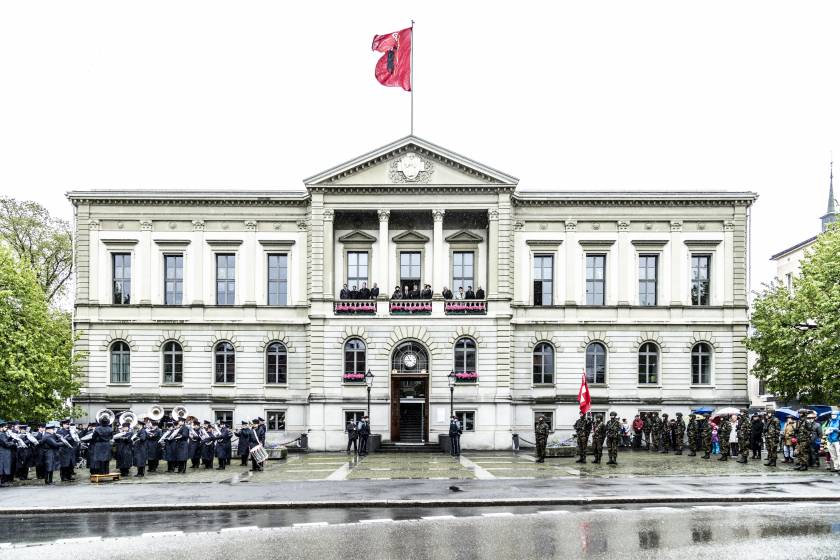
410, 393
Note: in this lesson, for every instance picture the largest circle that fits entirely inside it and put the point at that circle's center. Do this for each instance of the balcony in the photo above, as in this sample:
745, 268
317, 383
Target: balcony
465, 307
410, 307
355, 307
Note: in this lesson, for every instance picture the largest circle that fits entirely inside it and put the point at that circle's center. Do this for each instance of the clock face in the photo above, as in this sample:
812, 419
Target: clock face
410, 360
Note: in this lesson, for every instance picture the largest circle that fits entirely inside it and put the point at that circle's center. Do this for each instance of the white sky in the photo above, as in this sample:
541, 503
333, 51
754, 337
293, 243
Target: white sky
586, 95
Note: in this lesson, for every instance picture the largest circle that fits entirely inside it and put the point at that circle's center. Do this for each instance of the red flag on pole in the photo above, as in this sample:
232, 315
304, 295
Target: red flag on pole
584, 397
394, 68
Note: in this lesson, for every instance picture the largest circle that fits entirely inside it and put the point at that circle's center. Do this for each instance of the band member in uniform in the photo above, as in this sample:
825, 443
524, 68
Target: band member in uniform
66, 455
7, 451
153, 450
38, 456
49, 445
123, 452
223, 446
253, 441
100, 448
208, 447
194, 444
181, 446
261, 430
169, 448
140, 450
243, 449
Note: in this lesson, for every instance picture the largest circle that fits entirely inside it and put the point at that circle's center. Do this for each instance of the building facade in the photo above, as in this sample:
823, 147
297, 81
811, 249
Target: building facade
229, 302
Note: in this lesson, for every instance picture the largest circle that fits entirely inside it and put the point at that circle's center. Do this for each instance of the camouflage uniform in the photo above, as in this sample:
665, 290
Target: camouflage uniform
723, 435
613, 437
665, 435
646, 429
655, 431
692, 435
583, 426
599, 432
772, 441
541, 433
743, 436
678, 434
803, 440
707, 439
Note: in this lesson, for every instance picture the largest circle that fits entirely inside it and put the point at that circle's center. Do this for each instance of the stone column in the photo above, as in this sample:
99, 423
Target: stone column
493, 253
729, 262
438, 258
573, 269
679, 284
382, 277
248, 268
93, 265
520, 286
195, 269
329, 250
144, 264
624, 259
300, 289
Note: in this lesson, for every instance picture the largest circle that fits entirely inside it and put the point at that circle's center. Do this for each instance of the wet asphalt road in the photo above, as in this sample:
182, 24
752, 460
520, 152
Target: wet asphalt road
701, 531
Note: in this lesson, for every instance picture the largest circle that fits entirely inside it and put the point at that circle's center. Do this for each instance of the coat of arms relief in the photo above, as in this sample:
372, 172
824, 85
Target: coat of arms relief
411, 168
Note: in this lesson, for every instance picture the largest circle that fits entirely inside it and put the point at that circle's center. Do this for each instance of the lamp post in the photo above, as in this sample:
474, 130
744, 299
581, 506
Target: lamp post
451, 378
369, 383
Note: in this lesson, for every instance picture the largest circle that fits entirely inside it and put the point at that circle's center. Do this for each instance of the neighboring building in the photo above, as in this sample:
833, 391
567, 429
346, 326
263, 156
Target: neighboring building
787, 268
228, 302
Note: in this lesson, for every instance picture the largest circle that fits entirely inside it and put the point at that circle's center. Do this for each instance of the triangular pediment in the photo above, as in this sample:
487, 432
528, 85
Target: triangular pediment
464, 236
357, 237
411, 161
410, 237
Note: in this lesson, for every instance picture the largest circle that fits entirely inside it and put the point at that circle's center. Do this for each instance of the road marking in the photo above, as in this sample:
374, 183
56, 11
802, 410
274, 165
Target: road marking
574, 472
78, 540
528, 458
379, 520
437, 517
611, 510
708, 507
163, 534
340, 473
379, 469
313, 524
234, 529
494, 462
438, 478
498, 514
658, 508
307, 470
480, 473
553, 512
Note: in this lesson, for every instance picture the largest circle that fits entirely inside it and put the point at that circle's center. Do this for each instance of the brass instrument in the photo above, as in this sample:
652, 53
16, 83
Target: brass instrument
18, 440
179, 413
155, 412
107, 413
74, 434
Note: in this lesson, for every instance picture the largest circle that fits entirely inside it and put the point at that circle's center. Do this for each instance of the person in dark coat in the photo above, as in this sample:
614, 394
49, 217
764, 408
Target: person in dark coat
140, 450
455, 431
100, 448
253, 441
479, 293
344, 293
122, 450
208, 447
397, 293
415, 292
194, 445
446, 293
426, 293
223, 446
153, 450
50, 446
23, 454
261, 430
243, 448
168, 452
181, 447
756, 436
352, 437
354, 293
38, 455
7, 447
66, 455
470, 293
374, 292
364, 291
364, 435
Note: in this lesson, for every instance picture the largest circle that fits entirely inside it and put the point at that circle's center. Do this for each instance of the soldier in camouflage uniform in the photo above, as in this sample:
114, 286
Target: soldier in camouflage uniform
646, 417
613, 437
743, 436
679, 432
707, 438
655, 431
599, 433
803, 440
541, 433
723, 435
774, 427
583, 426
665, 435
692, 435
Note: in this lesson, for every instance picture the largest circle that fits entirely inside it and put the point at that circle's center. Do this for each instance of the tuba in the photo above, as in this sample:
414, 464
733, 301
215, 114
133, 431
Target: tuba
129, 417
179, 413
107, 413
155, 412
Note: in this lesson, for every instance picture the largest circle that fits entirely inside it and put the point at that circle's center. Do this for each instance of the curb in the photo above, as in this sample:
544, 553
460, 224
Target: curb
478, 502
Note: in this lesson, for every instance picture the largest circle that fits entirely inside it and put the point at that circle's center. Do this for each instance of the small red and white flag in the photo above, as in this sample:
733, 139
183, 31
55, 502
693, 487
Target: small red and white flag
584, 398
394, 67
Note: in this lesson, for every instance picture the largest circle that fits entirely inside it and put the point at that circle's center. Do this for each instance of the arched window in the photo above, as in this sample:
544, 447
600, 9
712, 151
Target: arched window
275, 363
465, 359
355, 360
173, 362
596, 363
648, 364
225, 360
543, 363
410, 357
120, 362
701, 364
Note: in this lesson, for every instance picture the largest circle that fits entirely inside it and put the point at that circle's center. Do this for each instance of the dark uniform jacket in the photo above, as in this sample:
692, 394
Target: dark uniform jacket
469, 295
152, 442
100, 444
244, 446
364, 293
208, 449
447, 294
374, 293
223, 446
261, 429
49, 451
7, 447
123, 452
479, 294
181, 446
66, 455
344, 294
140, 448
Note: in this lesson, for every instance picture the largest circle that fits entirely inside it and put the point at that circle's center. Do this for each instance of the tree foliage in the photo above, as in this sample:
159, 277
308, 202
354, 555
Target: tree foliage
38, 371
41, 241
799, 363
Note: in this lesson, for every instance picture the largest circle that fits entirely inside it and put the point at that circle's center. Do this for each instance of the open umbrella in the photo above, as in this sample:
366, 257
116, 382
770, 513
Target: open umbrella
726, 411
784, 413
703, 410
820, 409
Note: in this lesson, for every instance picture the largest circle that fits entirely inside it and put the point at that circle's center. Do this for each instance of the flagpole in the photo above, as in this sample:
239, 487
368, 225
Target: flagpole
412, 77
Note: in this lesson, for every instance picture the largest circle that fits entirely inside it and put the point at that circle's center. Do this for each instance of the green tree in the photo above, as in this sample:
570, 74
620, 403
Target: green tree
797, 336
38, 370
41, 241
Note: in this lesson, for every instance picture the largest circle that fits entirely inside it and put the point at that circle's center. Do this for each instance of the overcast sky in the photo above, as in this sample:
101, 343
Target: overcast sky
586, 95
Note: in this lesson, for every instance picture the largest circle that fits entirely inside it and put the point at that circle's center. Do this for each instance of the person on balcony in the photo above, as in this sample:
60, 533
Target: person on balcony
354, 293
406, 292
397, 293
415, 293
479, 293
374, 292
447, 293
364, 293
426, 293
470, 293
345, 293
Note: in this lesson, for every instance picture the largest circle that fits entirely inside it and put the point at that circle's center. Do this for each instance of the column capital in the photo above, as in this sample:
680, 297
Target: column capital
676, 225
198, 225
301, 225
437, 214
493, 214
93, 225
623, 225
518, 225
571, 225
250, 225
329, 214
384, 214
145, 225
728, 225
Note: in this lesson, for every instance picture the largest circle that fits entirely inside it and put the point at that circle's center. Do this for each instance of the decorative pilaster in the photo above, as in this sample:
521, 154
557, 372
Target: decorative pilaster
382, 277
144, 264
195, 271
493, 253
625, 262
329, 250
573, 263
438, 258
249, 268
93, 268
679, 287
729, 259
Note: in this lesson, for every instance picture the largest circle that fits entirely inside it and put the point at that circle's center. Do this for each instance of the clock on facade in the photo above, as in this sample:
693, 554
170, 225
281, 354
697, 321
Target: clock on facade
410, 360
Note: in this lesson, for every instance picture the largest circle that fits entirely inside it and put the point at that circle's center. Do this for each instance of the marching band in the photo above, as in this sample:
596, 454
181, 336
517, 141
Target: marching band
182, 438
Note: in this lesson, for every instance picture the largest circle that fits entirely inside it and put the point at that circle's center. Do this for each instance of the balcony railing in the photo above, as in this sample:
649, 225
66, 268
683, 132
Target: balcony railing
410, 307
355, 307
465, 307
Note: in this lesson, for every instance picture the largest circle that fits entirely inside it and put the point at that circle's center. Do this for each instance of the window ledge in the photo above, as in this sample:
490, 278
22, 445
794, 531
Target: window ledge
648, 386
177, 385
119, 384
542, 385
701, 386
606, 385
229, 385
276, 385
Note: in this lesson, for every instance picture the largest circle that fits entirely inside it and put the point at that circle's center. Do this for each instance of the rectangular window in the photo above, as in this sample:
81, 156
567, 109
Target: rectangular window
410, 270
276, 420
122, 278
789, 281
700, 268
467, 419
224, 417
278, 279
595, 279
647, 279
462, 270
357, 269
225, 279
549, 418
543, 279
353, 415
173, 279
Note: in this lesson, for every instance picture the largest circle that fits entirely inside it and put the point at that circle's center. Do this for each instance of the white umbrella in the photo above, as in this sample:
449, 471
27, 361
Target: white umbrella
726, 411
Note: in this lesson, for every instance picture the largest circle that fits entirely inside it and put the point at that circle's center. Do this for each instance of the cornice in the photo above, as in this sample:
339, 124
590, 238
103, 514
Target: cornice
633, 198
411, 188
134, 197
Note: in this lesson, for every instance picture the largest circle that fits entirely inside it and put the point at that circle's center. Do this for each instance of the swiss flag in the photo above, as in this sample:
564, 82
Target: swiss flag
394, 68
584, 398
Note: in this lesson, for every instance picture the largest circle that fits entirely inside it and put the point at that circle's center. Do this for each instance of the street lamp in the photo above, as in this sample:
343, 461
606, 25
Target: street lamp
451, 378
369, 382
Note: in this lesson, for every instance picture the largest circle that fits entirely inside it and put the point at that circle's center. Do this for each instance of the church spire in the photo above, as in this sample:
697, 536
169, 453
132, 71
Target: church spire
831, 212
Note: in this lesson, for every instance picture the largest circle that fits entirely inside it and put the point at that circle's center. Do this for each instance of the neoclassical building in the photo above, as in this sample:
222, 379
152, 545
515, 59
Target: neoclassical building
228, 302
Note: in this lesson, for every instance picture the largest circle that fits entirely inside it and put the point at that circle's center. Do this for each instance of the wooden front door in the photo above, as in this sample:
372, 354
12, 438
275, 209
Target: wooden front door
409, 393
